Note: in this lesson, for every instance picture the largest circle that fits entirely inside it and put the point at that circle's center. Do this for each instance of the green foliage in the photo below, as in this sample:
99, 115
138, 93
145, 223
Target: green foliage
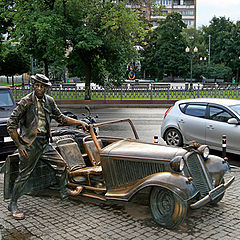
13, 61
220, 30
40, 30
213, 71
165, 53
225, 43
219, 71
195, 38
102, 37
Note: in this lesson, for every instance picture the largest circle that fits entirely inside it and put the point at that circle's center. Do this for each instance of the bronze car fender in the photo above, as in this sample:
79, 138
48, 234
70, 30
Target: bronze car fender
176, 183
217, 167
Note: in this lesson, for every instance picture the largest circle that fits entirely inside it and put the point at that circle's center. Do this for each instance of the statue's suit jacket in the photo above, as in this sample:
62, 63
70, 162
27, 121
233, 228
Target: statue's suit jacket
25, 116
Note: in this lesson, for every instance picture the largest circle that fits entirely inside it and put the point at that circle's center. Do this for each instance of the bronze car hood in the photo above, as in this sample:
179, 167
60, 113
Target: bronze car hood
138, 149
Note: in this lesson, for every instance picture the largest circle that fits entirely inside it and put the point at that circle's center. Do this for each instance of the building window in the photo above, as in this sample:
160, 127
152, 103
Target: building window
164, 2
188, 2
164, 12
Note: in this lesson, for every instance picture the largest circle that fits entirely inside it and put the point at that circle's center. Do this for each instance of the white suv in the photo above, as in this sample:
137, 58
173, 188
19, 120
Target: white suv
205, 121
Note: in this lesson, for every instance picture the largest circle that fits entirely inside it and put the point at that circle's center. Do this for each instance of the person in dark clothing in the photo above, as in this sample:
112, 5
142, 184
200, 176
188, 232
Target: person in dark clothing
32, 116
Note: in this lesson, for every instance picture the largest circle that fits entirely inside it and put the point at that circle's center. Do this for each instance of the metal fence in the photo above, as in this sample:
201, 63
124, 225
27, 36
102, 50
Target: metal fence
136, 92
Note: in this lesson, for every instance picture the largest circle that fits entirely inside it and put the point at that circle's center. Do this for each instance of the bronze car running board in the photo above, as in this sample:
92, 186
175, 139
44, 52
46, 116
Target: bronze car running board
93, 195
100, 189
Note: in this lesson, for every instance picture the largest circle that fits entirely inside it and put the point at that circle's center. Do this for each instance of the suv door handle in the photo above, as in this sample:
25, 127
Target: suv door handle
181, 120
211, 127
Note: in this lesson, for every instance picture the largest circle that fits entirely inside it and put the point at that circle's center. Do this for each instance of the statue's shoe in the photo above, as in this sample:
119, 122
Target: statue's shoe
16, 213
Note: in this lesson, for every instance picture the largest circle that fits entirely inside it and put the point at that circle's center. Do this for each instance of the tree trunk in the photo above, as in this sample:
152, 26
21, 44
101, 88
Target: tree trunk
13, 81
64, 8
172, 77
46, 67
237, 77
88, 80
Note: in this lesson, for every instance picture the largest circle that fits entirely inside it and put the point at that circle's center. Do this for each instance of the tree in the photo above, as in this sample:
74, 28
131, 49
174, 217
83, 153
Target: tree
13, 61
220, 30
234, 50
213, 71
225, 43
149, 63
102, 36
168, 47
195, 38
99, 35
39, 28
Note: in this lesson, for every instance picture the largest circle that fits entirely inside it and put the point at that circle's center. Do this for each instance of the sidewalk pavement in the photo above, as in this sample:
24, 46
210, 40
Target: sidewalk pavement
47, 217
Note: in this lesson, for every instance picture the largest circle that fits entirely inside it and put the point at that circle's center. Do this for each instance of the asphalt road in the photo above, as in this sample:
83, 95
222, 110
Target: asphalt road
147, 121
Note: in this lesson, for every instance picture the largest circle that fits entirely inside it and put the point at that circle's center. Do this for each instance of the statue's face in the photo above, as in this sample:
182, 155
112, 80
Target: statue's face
39, 89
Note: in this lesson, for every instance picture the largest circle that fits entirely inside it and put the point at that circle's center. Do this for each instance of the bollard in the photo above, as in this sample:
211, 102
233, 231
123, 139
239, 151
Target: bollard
224, 145
155, 139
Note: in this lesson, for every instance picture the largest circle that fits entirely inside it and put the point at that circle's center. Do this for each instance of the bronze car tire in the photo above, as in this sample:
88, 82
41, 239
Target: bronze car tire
167, 208
173, 137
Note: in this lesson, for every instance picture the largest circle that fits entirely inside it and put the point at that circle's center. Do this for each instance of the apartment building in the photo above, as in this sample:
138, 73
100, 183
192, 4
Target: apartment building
187, 8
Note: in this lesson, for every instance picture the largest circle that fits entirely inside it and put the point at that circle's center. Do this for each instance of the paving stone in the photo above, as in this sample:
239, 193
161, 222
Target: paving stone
51, 218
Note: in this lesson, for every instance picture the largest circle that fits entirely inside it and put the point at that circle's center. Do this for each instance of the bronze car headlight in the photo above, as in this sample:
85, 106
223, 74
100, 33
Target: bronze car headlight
204, 151
177, 164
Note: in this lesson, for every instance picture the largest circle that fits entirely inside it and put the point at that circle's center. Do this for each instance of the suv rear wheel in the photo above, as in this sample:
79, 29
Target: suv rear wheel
173, 137
168, 210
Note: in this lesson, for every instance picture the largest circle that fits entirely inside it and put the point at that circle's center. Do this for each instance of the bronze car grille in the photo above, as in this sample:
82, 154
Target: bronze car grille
201, 177
125, 171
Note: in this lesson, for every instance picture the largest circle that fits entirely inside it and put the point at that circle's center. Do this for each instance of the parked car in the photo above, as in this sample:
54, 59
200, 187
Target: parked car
204, 120
118, 168
7, 104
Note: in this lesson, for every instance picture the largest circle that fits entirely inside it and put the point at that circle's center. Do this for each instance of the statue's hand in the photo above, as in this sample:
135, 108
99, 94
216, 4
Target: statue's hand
22, 151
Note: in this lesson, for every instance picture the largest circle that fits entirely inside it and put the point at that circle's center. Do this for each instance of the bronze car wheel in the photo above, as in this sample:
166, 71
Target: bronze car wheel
173, 137
167, 209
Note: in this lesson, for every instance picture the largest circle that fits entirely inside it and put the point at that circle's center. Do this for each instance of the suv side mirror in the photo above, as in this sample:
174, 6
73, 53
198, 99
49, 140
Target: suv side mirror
232, 121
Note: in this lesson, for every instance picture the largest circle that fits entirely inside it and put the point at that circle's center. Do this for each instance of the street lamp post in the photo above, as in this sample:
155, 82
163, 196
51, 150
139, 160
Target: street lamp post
238, 71
209, 49
191, 54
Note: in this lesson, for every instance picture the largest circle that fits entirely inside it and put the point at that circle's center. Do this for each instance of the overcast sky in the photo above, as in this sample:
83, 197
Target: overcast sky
207, 9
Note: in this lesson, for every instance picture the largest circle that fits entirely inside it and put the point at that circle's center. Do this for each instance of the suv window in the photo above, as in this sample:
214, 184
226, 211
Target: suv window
182, 106
219, 114
5, 99
236, 108
196, 110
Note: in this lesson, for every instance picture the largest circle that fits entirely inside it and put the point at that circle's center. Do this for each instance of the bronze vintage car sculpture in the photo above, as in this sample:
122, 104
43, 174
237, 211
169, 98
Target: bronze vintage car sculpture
118, 168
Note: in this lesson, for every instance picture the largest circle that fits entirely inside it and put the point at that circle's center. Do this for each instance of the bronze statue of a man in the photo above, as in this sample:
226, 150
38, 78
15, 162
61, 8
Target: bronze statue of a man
32, 116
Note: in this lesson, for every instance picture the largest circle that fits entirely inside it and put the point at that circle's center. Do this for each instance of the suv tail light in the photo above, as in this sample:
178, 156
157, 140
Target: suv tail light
166, 113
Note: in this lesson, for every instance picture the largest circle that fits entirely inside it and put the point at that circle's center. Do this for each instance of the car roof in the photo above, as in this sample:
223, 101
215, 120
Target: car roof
221, 101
